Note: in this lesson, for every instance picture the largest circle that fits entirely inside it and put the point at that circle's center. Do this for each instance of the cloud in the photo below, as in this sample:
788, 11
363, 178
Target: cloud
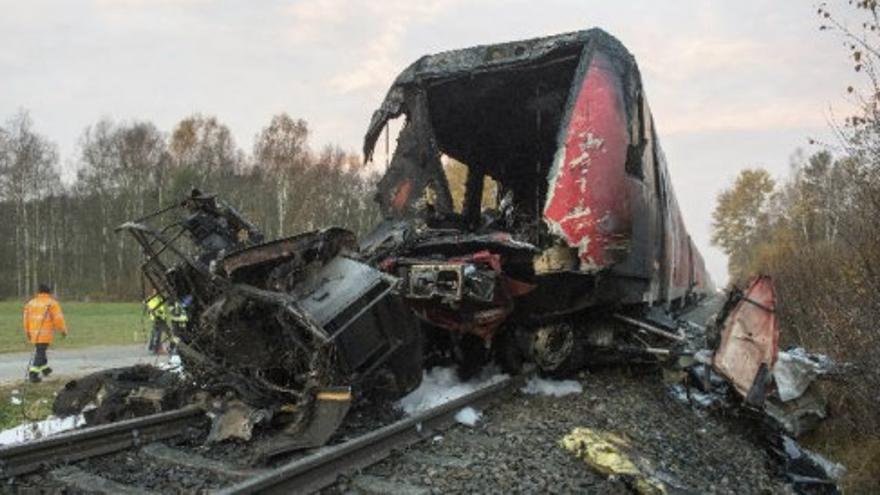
313, 18
781, 115
375, 30
698, 82
146, 3
689, 57
378, 62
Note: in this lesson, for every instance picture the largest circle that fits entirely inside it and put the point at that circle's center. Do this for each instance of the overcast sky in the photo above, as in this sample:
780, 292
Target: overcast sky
731, 84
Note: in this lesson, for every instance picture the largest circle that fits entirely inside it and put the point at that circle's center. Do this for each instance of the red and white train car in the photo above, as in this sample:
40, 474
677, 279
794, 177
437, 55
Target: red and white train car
581, 220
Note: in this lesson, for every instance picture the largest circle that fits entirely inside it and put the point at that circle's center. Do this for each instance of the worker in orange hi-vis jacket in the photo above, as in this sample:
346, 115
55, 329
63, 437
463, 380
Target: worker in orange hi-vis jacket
42, 318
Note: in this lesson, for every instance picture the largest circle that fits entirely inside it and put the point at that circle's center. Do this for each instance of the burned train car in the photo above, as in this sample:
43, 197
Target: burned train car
585, 221
581, 244
279, 332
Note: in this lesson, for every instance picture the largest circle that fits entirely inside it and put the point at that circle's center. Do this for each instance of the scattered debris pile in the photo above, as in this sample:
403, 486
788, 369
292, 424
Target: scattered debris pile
123, 393
279, 332
744, 369
747, 360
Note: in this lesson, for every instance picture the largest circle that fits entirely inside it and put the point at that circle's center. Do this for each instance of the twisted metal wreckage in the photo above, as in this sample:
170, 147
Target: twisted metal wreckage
582, 256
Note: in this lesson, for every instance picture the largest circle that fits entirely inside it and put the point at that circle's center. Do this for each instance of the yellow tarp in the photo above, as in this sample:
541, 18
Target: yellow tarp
607, 453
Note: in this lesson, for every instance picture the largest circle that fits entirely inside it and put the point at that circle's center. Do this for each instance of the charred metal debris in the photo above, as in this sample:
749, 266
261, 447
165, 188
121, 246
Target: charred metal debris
579, 256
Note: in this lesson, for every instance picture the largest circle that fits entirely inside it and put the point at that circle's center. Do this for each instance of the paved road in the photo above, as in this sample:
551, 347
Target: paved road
78, 362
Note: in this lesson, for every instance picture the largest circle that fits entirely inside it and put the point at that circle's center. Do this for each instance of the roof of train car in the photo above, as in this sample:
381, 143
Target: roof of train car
489, 58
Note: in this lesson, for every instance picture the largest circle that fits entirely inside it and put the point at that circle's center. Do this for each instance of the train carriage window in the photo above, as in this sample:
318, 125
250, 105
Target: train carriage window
638, 140
456, 175
504, 123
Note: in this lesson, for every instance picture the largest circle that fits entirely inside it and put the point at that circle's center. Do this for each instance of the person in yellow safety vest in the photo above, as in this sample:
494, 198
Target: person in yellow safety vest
163, 316
156, 312
177, 318
42, 318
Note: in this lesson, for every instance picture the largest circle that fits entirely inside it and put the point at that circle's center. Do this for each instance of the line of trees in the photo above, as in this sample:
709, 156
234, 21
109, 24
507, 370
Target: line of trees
817, 233
62, 233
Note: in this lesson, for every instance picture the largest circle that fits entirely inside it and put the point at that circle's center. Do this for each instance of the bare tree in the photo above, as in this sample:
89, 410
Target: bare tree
203, 144
29, 174
281, 150
127, 169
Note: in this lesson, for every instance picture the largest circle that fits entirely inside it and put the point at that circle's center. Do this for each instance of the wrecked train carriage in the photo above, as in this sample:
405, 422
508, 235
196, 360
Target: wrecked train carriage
586, 219
748, 356
277, 324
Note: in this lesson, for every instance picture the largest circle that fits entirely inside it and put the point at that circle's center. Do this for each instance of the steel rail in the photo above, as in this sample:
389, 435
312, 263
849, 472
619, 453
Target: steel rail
82, 444
321, 469
649, 328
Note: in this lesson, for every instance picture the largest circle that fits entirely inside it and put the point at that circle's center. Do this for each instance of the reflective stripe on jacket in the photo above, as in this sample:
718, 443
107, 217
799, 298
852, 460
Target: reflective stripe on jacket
42, 318
158, 309
177, 314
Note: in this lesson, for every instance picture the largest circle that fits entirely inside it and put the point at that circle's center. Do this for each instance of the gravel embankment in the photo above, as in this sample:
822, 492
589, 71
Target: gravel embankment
515, 447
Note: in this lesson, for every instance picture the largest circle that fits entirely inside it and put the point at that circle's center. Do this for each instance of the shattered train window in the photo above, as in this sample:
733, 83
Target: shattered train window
457, 175
505, 122
638, 140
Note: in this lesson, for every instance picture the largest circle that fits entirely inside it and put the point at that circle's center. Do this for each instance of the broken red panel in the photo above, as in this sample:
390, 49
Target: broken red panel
467, 313
482, 323
401, 196
750, 336
587, 198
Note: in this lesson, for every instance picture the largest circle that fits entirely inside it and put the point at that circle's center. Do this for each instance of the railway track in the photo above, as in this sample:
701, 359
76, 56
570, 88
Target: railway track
58, 456
67, 448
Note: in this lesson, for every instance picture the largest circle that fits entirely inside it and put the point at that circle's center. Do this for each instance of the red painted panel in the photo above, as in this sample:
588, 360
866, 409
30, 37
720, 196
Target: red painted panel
750, 336
587, 202
480, 319
400, 196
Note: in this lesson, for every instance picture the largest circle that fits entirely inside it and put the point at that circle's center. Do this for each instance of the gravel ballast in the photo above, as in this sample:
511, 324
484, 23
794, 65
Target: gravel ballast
514, 448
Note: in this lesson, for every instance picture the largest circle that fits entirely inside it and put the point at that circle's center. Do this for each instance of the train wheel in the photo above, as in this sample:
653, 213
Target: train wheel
556, 350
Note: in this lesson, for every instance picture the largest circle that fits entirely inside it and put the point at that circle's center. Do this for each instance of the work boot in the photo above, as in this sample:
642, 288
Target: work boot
34, 377
47, 371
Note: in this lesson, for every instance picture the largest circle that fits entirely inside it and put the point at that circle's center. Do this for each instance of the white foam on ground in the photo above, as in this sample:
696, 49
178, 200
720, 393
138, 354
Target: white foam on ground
440, 385
555, 388
15, 401
173, 364
26, 432
468, 416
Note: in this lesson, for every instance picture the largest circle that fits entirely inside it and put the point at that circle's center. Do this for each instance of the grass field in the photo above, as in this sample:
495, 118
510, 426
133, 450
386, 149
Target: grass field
23, 402
90, 324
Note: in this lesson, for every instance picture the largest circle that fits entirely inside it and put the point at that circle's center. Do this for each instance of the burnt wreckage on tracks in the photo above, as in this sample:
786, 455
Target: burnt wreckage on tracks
582, 241
585, 223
